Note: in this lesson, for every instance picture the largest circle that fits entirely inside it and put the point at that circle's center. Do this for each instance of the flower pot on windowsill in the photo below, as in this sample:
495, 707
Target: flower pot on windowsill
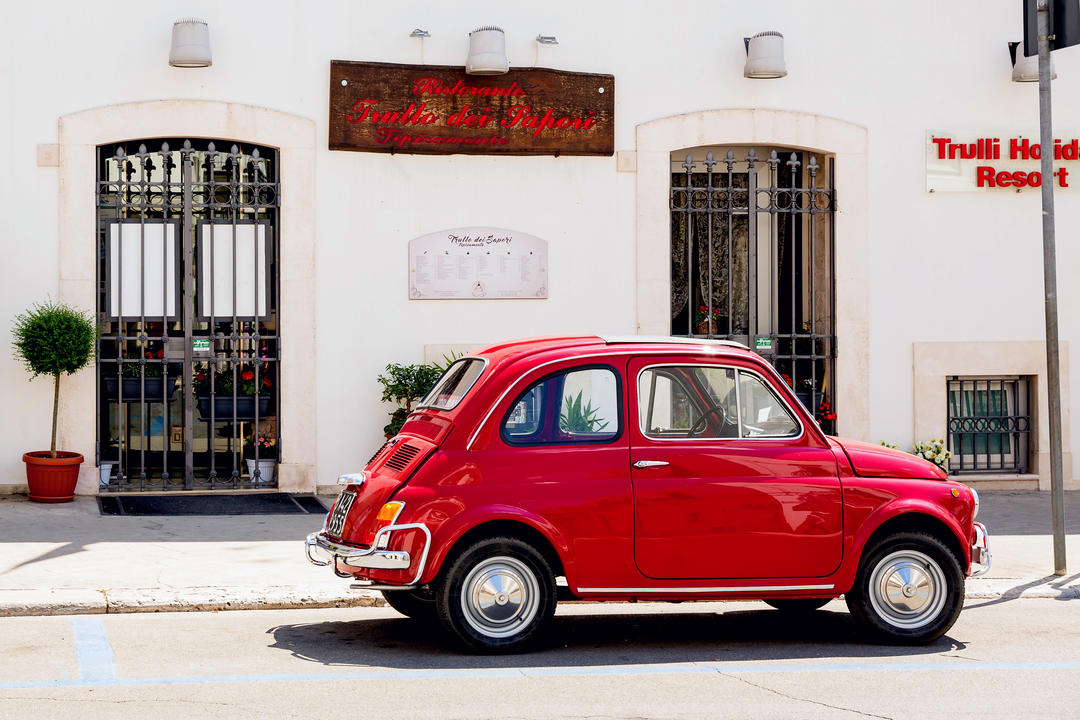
223, 407
132, 387
702, 328
105, 473
266, 470
52, 479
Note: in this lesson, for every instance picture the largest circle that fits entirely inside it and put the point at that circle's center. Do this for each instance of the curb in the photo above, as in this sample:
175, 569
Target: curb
21, 603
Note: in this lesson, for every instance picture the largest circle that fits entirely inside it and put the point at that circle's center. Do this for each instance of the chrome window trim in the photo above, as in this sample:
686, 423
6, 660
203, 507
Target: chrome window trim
737, 369
479, 375
611, 353
743, 588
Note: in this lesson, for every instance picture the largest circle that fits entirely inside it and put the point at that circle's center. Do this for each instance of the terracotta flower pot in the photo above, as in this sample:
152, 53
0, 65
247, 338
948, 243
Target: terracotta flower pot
52, 479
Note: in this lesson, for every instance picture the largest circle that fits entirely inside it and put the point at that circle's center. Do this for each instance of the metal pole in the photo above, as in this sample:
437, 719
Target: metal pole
1053, 379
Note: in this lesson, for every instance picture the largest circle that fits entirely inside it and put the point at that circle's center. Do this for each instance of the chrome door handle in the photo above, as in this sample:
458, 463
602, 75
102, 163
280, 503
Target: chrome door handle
642, 464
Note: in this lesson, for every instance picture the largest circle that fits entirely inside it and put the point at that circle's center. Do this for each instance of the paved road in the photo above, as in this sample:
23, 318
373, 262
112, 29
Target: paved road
1018, 658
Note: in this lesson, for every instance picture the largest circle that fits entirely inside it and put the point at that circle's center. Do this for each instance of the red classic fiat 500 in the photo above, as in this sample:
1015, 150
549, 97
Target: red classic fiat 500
645, 469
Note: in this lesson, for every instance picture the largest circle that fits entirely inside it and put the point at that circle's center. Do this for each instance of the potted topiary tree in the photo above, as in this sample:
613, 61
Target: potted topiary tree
404, 385
53, 339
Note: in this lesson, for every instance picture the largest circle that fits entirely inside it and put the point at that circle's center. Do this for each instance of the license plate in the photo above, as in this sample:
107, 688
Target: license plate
336, 524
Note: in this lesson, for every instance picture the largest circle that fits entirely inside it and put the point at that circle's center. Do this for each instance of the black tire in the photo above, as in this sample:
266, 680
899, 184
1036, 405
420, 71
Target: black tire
798, 605
411, 603
909, 589
518, 582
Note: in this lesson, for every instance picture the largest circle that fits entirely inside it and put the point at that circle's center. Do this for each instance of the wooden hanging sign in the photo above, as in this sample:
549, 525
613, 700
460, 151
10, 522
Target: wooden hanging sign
438, 109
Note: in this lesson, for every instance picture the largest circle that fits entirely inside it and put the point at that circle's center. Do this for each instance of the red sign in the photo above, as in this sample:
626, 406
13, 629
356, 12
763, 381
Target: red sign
988, 149
438, 109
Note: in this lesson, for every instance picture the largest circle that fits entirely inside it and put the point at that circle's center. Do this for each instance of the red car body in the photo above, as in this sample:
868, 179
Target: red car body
638, 516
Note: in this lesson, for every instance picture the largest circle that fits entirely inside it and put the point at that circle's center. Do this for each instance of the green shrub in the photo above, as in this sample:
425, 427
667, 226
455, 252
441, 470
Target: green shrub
404, 385
54, 339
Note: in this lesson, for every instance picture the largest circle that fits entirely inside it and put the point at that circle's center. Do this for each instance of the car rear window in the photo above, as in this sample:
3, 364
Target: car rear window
454, 384
580, 405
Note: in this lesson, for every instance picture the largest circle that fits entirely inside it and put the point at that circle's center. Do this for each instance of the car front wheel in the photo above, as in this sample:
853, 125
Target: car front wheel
497, 595
909, 589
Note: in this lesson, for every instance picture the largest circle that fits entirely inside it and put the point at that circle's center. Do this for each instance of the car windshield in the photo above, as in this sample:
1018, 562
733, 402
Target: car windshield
454, 384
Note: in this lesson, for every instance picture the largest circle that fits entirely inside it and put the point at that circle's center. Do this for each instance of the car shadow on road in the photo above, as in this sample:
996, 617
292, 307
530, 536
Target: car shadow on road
600, 639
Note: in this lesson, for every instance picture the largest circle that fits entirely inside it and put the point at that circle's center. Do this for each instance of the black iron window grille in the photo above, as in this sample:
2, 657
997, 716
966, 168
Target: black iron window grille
989, 424
188, 298
752, 244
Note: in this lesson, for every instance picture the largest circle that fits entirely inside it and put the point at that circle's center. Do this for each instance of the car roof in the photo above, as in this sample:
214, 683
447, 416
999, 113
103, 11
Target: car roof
580, 344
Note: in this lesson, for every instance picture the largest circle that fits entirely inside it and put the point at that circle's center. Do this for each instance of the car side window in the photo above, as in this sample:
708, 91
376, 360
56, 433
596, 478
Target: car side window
709, 402
575, 406
761, 412
679, 401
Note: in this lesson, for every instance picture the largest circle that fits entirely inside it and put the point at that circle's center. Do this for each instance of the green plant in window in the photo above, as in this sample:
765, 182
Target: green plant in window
579, 416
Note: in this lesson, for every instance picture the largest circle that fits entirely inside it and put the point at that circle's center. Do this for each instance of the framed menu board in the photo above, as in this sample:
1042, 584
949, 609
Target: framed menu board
477, 263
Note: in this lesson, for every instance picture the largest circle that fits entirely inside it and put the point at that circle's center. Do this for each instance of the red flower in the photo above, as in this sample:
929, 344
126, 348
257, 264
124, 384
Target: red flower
200, 376
266, 382
161, 353
247, 375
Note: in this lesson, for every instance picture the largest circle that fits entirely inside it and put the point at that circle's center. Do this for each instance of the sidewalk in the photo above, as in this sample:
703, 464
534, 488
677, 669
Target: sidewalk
64, 559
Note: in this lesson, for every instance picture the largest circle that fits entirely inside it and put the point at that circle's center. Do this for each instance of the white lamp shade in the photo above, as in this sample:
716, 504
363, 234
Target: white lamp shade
190, 44
765, 56
487, 52
1026, 69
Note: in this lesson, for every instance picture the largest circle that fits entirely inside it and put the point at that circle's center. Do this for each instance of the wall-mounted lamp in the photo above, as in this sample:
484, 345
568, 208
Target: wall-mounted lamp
487, 52
547, 39
765, 55
1026, 69
190, 44
418, 33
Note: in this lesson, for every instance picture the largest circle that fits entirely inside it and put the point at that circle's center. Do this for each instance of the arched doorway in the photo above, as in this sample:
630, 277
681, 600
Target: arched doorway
810, 135
188, 297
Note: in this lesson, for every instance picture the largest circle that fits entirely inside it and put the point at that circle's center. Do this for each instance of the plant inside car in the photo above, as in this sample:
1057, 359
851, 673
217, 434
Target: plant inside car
580, 417
53, 339
627, 469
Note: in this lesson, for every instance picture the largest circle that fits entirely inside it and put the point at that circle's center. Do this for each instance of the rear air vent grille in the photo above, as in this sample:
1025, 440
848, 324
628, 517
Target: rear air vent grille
379, 451
402, 457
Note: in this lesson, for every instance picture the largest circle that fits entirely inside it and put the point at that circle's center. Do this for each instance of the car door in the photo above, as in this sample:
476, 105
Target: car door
729, 480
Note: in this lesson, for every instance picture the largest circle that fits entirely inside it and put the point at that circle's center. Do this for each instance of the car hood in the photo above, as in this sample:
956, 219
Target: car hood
879, 461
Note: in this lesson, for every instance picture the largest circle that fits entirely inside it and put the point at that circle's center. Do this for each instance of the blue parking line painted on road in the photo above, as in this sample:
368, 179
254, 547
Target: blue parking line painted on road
537, 672
93, 652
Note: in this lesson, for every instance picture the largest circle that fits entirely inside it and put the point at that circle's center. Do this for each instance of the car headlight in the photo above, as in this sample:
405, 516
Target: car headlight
975, 497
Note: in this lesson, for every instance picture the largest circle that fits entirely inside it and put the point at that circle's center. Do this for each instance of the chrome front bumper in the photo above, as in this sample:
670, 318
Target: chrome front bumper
371, 557
980, 550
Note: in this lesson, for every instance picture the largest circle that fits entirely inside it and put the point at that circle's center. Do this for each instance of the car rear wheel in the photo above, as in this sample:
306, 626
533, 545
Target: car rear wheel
909, 589
497, 595
411, 603
798, 605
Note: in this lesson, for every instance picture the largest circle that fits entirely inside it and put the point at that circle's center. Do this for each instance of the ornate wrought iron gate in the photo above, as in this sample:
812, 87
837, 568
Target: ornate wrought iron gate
188, 298
752, 261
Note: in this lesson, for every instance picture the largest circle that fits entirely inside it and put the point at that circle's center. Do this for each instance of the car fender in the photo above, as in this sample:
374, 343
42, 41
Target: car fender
905, 506
454, 528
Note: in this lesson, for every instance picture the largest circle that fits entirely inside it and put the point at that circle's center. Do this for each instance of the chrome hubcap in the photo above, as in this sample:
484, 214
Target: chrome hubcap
500, 596
907, 589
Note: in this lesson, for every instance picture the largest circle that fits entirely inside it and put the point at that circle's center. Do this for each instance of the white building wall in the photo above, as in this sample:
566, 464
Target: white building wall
942, 267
